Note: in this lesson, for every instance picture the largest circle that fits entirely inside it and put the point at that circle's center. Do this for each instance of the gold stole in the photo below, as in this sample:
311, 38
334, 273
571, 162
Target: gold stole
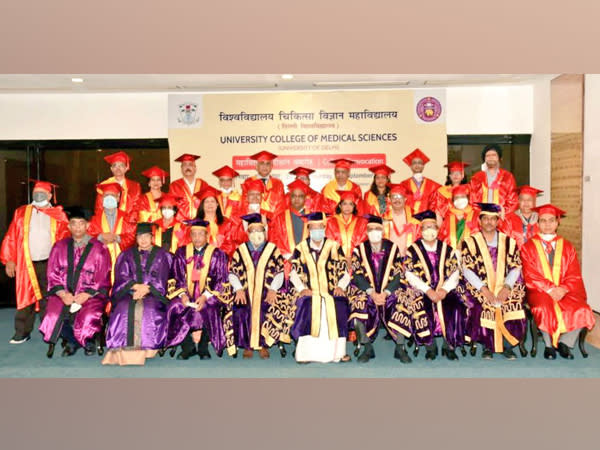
190, 196
213, 233
174, 239
371, 200
346, 233
468, 215
441, 280
329, 191
114, 249
421, 190
206, 259
256, 279
26, 253
553, 276
319, 286
485, 191
225, 202
289, 228
153, 214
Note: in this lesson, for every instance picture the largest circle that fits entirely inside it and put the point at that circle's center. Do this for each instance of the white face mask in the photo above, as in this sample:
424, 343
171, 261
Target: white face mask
39, 199
547, 237
430, 234
40, 204
257, 238
418, 176
254, 207
461, 203
167, 213
317, 235
228, 190
375, 236
110, 202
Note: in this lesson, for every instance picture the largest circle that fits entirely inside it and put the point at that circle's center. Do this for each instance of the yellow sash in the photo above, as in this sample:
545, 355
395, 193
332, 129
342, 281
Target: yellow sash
114, 249
206, 258
421, 190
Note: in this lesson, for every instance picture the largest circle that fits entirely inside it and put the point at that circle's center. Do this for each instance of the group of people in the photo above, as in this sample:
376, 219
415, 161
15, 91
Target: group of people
463, 263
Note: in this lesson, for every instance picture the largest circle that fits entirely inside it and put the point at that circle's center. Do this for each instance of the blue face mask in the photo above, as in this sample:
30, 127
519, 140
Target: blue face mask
110, 202
317, 235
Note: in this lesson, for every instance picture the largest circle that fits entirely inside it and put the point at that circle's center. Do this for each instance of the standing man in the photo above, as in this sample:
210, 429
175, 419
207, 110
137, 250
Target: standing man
273, 201
288, 228
187, 186
399, 225
555, 289
25, 250
522, 224
492, 270
131, 190
494, 184
78, 288
423, 190
228, 197
341, 182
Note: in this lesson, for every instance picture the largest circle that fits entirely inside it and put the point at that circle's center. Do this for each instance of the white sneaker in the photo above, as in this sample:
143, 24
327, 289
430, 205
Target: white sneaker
19, 340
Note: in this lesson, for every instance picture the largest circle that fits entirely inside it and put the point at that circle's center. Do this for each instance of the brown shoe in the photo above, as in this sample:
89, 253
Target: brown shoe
248, 353
264, 353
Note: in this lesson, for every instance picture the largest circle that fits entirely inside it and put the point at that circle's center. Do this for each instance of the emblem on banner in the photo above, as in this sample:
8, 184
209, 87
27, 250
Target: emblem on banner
429, 109
188, 114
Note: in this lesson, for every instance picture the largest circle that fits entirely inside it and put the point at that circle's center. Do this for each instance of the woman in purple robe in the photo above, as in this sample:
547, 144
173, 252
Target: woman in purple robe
78, 285
137, 327
194, 314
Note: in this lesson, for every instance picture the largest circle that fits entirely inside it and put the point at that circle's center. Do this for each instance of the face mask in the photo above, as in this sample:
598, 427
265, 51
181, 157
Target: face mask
461, 203
109, 202
39, 199
254, 207
257, 238
375, 236
430, 234
418, 176
317, 235
228, 190
167, 213
547, 237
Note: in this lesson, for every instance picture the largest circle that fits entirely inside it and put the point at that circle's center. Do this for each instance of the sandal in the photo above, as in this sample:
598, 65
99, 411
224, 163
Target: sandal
346, 358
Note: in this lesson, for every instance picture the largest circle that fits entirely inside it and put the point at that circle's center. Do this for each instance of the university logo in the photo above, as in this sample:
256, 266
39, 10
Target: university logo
188, 114
429, 109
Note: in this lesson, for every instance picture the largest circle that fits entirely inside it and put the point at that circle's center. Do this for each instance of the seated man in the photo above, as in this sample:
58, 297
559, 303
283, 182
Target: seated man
78, 285
194, 315
555, 289
495, 292
137, 327
432, 269
376, 272
256, 274
320, 277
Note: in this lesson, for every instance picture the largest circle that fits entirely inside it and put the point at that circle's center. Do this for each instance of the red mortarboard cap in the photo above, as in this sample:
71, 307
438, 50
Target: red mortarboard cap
301, 171
399, 189
382, 169
347, 195
461, 189
109, 188
253, 185
549, 209
529, 190
298, 185
225, 171
416, 153
208, 191
187, 157
168, 200
156, 171
118, 157
263, 155
456, 166
342, 163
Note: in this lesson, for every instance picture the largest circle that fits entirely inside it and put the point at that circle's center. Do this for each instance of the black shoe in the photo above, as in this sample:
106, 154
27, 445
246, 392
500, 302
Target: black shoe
463, 351
16, 339
203, 352
50, 351
509, 354
550, 353
450, 354
487, 354
473, 349
69, 350
564, 351
282, 350
367, 354
388, 337
188, 348
431, 352
401, 354
89, 349
172, 351
162, 352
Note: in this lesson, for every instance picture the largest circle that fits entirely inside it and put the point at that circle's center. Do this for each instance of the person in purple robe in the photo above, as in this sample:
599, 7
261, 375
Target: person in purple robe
256, 275
432, 270
137, 327
495, 290
376, 274
78, 288
201, 287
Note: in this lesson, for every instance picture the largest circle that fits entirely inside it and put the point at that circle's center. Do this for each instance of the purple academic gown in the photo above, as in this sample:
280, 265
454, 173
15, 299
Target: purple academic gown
181, 319
75, 270
139, 324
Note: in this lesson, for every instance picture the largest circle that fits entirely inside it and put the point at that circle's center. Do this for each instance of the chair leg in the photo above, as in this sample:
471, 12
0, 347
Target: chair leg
473, 348
534, 336
582, 335
522, 348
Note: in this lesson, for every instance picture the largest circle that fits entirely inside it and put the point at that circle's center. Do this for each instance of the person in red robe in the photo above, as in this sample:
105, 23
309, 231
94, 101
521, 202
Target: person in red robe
494, 184
221, 230
462, 218
341, 182
147, 207
131, 190
399, 225
422, 189
555, 289
521, 224
25, 251
346, 227
228, 197
273, 199
187, 186
442, 198
111, 226
377, 201
314, 200
169, 233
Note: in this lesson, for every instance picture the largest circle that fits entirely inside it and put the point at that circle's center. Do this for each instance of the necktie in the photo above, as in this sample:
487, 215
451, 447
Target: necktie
264, 180
549, 251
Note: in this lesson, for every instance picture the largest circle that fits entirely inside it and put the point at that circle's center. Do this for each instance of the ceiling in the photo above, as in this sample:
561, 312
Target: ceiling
249, 82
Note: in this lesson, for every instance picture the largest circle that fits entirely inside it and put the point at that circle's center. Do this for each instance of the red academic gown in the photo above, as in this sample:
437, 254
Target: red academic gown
281, 232
229, 202
15, 247
188, 207
448, 230
123, 228
147, 209
504, 188
441, 200
179, 237
314, 202
371, 204
132, 191
331, 198
223, 236
410, 230
273, 199
513, 227
421, 198
568, 314
347, 235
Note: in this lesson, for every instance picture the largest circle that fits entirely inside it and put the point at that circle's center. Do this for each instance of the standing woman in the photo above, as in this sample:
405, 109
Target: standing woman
376, 200
147, 206
220, 227
462, 218
442, 198
346, 227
